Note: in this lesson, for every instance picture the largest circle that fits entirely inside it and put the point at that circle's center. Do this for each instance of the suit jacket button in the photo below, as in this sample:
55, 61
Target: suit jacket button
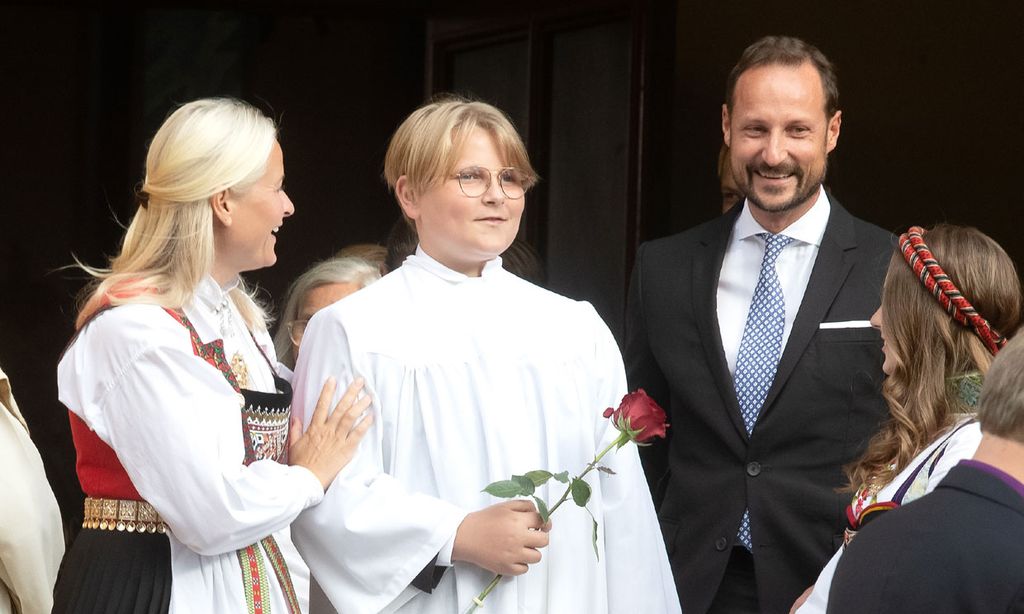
753, 469
721, 543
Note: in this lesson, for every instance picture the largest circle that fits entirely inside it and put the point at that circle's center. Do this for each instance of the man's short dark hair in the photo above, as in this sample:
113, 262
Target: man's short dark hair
787, 51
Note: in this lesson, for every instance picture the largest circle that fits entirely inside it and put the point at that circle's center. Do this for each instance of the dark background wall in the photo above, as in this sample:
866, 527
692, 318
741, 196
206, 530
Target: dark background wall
931, 94
85, 90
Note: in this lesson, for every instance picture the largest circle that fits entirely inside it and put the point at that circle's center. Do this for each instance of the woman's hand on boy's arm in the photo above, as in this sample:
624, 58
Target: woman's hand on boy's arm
332, 438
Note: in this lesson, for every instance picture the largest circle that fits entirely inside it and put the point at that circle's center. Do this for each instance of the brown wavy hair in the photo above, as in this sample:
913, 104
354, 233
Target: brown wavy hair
927, 346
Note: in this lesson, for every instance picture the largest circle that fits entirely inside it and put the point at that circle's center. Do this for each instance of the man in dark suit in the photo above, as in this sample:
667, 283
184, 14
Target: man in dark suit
958, 550
752, 331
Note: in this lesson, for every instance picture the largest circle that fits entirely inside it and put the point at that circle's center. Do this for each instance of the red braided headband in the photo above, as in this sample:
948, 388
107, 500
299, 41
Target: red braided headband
927, 269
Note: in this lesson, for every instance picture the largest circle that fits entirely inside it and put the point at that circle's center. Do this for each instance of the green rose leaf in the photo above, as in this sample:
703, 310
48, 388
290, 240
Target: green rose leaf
526, 486
562, 477
593, 538
542, 509
505, 489
580, 492
539, 477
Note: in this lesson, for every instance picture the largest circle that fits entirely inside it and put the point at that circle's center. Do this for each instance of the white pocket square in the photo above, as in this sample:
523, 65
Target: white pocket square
846, 324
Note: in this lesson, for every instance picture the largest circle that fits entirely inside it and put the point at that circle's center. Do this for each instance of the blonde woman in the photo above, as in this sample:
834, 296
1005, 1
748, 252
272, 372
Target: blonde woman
180, 414
951, 297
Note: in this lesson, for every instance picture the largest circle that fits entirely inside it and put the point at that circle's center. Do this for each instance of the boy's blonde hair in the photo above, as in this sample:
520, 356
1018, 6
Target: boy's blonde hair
426, 146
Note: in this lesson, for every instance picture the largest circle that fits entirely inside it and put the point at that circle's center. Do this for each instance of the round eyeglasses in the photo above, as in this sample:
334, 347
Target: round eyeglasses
476, 180
296, 328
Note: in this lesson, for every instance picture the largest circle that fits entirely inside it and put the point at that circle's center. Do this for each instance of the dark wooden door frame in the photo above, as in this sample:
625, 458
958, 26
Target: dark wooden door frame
652, 49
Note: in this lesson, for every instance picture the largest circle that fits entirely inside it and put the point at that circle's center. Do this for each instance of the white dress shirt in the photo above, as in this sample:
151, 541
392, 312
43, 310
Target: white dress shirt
742, 267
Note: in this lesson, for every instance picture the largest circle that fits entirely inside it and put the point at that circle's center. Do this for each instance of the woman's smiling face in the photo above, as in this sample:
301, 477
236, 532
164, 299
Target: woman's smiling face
256, 215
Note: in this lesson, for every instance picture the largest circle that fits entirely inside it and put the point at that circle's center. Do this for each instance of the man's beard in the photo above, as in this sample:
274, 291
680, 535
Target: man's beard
804, 191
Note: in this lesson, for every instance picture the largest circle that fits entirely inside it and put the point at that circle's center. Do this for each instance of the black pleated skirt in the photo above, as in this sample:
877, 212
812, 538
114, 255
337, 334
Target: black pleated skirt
115, 572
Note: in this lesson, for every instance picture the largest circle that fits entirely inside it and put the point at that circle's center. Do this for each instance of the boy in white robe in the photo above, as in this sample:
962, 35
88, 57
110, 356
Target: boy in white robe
475, 375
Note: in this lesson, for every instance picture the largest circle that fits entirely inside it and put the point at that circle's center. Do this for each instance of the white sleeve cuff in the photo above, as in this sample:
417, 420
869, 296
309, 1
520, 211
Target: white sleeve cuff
314, 489
444, 557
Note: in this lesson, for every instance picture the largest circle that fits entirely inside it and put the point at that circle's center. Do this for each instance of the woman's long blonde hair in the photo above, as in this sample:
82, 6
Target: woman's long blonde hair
203, 148
928, 347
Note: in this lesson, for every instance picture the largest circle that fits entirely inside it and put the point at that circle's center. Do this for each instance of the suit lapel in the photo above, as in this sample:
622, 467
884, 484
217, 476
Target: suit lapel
707, 266
831, 268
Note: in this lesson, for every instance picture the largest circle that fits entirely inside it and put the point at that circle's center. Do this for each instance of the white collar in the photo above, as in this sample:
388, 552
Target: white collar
212, 295
808, 228
427, 262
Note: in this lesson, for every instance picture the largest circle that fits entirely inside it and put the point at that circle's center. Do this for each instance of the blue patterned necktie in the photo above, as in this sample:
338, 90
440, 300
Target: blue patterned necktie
761, 346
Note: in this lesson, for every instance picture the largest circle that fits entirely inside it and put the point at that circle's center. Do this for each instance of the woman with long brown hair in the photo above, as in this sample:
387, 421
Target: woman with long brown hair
950, 300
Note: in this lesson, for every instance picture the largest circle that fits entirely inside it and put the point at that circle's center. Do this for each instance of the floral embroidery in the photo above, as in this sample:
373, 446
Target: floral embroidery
254, 578
281, 571
267, 435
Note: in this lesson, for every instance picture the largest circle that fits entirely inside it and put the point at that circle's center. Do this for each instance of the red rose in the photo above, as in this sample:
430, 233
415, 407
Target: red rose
639, 416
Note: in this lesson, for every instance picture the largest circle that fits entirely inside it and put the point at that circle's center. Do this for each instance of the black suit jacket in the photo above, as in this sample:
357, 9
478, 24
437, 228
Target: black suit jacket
958, 550
822, 407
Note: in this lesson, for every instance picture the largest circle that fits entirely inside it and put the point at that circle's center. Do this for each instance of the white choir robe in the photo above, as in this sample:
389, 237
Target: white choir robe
174, 421
474, 380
